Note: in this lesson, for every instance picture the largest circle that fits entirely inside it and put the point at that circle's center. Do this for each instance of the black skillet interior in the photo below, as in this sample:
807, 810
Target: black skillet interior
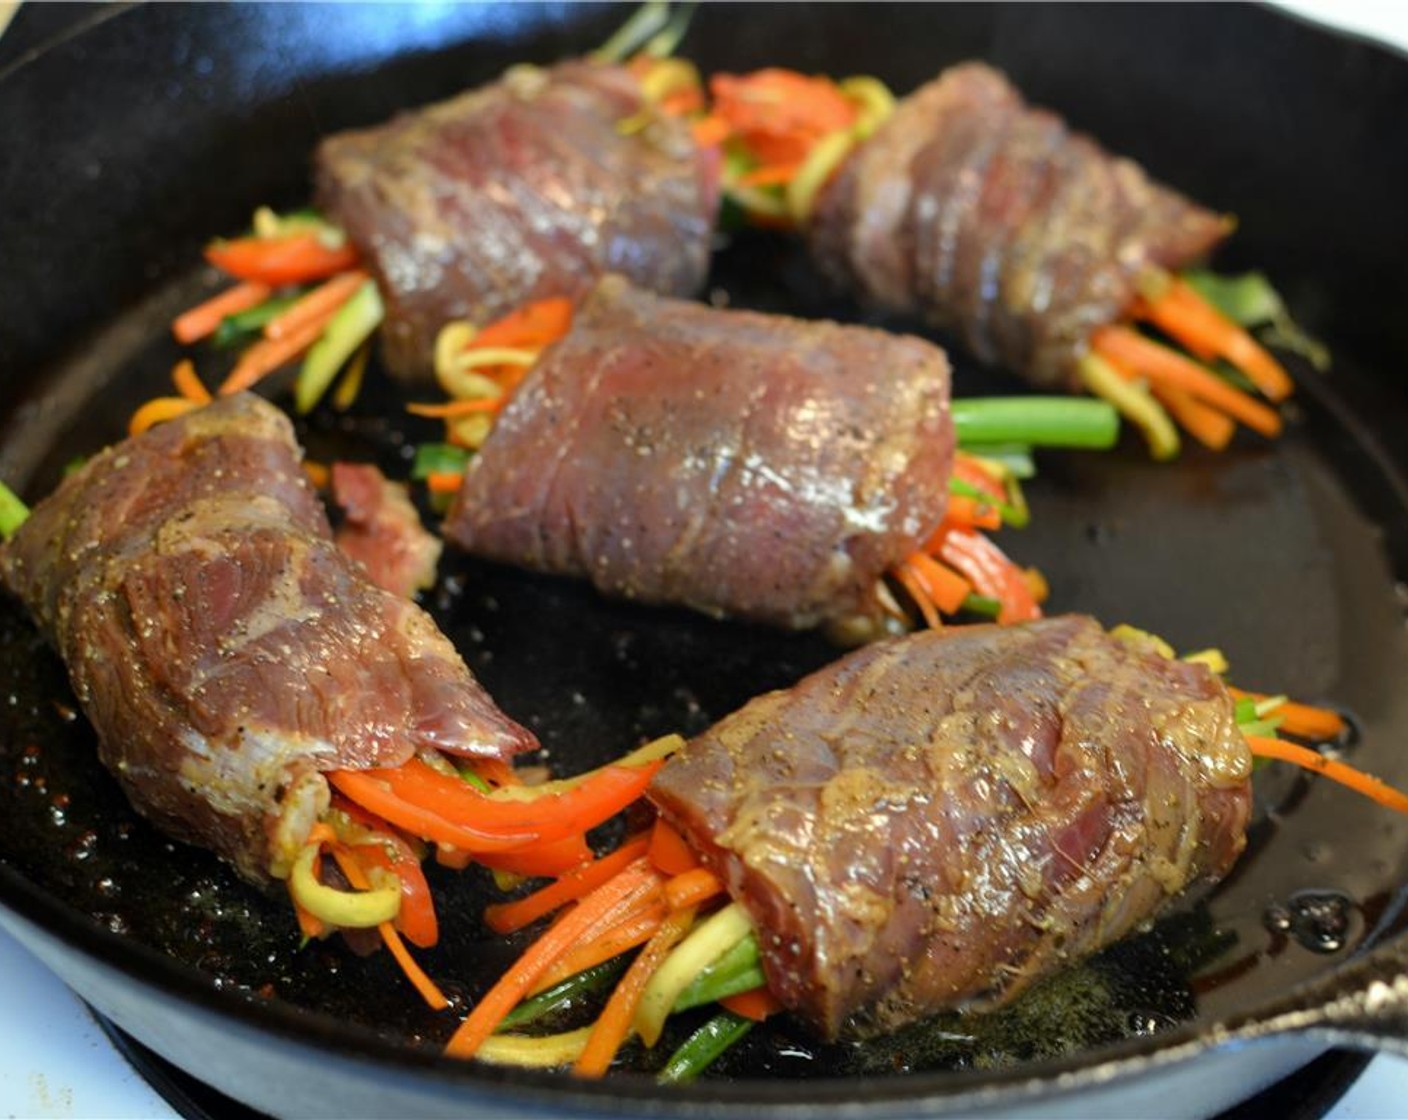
133, 140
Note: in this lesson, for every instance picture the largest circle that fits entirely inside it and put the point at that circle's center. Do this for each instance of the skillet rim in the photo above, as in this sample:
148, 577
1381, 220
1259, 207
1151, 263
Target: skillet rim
1303, 1009
1084, 1069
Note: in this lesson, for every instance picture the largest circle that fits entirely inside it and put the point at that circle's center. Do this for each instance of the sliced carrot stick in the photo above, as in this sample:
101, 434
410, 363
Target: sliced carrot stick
423, 983
692, 888
711, 130
188, 383
634, 930
1183, 313
915, 585
318, 473
593, 914
444, 482
320, 303
1211, 428
428, 989
1336, 771
204, 318
449, 409
506, 917
269, 354
771, 175
309, 925
1301, 719
157, 411
944, 586
682, 102
1163, 366
533, 325
756, 1004
614, 1023
668, 850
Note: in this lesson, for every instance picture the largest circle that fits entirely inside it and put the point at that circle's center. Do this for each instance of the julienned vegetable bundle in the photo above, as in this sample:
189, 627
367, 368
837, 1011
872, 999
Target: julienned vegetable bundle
743, 465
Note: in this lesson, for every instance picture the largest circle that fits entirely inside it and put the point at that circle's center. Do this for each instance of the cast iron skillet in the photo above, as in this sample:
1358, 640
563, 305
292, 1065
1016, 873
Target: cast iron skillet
131, 138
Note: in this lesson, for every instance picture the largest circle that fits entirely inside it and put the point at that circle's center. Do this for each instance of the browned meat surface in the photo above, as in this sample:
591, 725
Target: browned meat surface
939, 820
382, 530
222, 647
999, 223
522, 189
737, 463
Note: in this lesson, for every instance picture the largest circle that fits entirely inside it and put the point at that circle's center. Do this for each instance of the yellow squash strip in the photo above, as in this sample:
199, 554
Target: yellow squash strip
344, 909
821, 163
710, 940
874, 100
1214, 659
542, 1052
1135, 404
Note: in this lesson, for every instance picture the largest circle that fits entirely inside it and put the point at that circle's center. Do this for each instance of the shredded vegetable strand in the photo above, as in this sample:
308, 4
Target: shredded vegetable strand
592, 913
318, 304
1106, 378
1185, 315
1320, 724
705, 944
205, 318
157, 411
267, 355
614, 1024
13, 512
1333, 769
188, 384
1162, 365
914, 583
756, 1004
508, 917
704, 1047
427, 988
635, 929
691, 888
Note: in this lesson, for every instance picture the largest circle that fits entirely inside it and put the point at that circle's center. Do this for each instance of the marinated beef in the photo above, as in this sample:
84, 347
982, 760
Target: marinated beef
532, 186
998, 222
937, 821
737, 463
223, 648
382, 530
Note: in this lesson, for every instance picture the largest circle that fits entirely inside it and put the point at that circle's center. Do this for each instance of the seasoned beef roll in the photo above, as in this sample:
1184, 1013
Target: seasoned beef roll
224, 649
525, 188
936, 821
741, 464
999, 223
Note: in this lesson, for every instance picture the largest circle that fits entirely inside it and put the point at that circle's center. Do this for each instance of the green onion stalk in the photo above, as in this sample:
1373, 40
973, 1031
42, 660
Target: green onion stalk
13, 512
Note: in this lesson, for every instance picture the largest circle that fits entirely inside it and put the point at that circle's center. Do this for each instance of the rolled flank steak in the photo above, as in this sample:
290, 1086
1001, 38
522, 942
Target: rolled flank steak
529, 187
935, 822
998, 222
224, 649
748, 465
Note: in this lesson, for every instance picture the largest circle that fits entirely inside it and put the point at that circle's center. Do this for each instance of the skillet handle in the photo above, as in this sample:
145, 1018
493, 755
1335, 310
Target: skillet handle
1363, 1006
